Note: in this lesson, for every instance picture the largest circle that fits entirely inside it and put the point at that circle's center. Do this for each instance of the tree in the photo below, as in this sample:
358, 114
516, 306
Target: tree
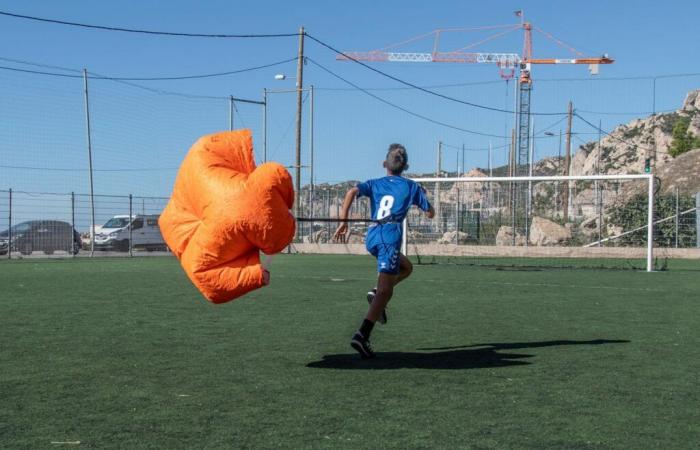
633, 215
683, 140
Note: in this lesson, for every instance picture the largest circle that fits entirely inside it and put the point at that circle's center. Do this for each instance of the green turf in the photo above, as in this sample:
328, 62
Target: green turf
125, 354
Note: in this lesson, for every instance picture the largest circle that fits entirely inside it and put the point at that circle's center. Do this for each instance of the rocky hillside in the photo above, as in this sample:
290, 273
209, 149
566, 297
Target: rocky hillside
627, 146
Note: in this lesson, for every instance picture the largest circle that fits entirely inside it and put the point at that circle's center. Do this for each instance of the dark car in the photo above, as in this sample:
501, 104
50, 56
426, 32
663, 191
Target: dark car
42, 235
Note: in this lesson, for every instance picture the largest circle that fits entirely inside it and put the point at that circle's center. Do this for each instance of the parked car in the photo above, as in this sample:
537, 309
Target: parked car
144, 231
40, 235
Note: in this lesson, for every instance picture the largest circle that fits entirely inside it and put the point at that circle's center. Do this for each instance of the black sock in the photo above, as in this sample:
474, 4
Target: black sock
366, 328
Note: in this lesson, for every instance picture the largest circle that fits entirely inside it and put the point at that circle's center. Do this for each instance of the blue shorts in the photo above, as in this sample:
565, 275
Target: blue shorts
384, 243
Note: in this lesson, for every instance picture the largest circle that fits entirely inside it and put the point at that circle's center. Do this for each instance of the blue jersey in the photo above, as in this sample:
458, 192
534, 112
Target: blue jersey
392, 196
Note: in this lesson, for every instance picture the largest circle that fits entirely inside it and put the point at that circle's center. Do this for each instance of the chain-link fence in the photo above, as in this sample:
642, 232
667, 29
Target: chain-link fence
41, 223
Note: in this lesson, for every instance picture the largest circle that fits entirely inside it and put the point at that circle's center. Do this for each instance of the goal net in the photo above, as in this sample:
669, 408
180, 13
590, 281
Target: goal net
541, 221
604, 221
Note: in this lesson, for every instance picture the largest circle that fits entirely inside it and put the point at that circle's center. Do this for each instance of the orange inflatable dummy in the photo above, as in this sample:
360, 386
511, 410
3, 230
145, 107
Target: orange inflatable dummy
224, 211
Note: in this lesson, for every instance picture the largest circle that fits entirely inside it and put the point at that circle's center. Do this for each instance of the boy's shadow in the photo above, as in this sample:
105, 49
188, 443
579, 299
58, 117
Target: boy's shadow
474, 356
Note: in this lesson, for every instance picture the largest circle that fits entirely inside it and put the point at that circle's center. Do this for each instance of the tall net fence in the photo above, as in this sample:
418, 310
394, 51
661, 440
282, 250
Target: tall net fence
140, 132
39, 223
596, 223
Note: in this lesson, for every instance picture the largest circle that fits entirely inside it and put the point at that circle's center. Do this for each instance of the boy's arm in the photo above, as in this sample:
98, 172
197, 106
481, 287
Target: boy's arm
421, 200
430, 213
339, 235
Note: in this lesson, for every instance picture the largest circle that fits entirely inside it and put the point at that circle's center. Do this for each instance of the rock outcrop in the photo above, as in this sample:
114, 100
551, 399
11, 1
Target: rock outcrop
546, 232
504, 237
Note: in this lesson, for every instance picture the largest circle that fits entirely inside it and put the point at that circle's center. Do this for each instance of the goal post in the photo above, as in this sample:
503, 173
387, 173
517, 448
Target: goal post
582, 220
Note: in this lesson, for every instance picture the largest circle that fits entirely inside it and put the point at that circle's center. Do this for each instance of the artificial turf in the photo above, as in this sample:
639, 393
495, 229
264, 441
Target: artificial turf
124, 353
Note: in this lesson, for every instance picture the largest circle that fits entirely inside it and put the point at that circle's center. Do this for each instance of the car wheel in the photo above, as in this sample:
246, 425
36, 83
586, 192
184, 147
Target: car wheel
123, 245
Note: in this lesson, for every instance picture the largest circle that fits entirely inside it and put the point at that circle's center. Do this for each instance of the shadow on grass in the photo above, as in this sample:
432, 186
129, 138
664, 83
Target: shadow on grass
457, 357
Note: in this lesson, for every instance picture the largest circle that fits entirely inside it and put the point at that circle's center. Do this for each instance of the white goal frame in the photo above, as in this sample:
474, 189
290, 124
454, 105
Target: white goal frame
650, 197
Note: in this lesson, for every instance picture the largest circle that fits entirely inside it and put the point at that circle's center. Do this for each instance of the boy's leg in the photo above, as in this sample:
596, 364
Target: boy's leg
385, 289
405, 269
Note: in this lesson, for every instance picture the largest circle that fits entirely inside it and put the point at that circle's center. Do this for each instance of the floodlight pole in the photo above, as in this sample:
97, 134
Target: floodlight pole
300, 87
89, 145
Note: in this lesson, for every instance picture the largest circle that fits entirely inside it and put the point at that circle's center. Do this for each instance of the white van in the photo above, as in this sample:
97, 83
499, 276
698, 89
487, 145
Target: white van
145, 233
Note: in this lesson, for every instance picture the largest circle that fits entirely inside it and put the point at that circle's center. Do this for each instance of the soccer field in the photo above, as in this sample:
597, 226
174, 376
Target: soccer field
126, 354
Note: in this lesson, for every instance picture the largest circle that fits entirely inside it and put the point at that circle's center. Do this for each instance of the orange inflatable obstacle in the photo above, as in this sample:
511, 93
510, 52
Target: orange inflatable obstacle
224, 211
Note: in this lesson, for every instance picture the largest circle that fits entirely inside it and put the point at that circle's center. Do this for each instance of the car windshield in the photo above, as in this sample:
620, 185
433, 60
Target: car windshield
19, 228
116, 222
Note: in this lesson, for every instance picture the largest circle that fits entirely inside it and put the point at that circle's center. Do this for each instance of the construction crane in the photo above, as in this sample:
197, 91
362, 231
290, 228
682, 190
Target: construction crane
507, 63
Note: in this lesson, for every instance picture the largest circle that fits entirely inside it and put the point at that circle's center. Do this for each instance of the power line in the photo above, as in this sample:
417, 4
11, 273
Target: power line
595, 127
39, 72
60, 169
407, 111
104, 77
427, 91
209, 75
140, 31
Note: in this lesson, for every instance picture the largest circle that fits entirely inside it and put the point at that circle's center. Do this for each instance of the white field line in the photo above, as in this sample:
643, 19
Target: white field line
497, 283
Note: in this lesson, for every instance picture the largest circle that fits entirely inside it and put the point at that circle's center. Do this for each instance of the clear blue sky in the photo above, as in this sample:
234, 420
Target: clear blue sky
42, 120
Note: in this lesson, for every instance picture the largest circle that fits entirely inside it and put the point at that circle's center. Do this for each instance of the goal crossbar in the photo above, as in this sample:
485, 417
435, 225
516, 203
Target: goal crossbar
649, 178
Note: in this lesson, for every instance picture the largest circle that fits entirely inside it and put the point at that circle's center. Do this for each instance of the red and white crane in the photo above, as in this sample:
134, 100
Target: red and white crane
508, 64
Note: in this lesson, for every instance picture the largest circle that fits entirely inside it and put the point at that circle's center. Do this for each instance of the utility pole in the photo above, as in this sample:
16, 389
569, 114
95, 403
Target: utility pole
89, 148
300, 87
567, 162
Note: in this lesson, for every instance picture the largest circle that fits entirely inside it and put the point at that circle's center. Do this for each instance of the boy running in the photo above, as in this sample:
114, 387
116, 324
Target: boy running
390, 198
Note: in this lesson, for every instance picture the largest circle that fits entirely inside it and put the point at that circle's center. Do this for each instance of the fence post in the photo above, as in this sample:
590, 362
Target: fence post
9, 229
131, 219
72, 223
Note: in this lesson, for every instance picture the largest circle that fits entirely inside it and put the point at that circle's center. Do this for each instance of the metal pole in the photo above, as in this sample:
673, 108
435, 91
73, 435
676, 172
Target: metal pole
598, 189
300, 87
131, 220
438, 210
511, 190
653, 96
530, 162
72, 222
311, 144
677, 212
567, 163
89, 144
650, 228
230, 113
697, 220
9, 228
264, 124
404, 237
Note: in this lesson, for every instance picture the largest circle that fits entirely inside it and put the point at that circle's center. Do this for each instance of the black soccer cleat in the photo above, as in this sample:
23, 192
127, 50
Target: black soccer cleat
362, 346
370, 298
